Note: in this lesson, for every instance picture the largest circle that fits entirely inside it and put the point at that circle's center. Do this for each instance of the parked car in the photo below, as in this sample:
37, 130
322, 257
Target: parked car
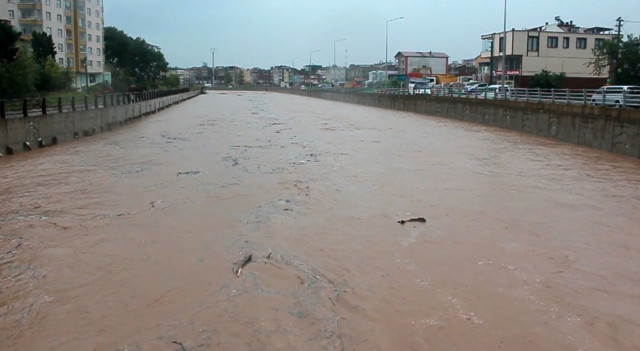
617, 96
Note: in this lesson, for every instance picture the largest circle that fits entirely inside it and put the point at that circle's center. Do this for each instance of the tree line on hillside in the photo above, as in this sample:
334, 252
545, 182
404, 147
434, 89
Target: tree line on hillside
27, 67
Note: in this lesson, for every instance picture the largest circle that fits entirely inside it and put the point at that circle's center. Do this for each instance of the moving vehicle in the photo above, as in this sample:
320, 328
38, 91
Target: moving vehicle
496, 92
617, 96
422, 86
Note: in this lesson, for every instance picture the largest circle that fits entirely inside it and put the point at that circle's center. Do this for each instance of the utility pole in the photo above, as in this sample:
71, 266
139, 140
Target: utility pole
504, 46
213, 68
619, 21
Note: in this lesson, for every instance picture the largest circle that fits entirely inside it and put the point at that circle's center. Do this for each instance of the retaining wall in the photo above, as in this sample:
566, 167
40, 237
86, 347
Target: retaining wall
23, 134
611, 129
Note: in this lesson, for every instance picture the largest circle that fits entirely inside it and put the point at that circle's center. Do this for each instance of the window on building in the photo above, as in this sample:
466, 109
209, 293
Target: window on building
552, 42
501, 45
69, 35
67, 5
83, 49
12, 14
88, 11
90, 63
48, 2
59, 4
533, 43
99, 63
97, 13
61, 61
90, 50
97, 38
581, 43
97, 25
70, 61
67, 20
599, 42
48, 16
59, 18
566, 42
70, 48
60, 47
48, 30
82, 23
59, 33
83, 36
89, 37
88, 24
98, 51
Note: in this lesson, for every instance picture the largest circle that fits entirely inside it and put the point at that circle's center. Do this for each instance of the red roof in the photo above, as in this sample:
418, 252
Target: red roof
422, 54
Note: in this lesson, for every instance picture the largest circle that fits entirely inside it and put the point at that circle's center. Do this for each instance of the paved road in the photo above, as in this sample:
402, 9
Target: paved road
126, 240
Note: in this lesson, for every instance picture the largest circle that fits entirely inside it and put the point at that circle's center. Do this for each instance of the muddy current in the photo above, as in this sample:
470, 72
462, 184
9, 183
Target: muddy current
127, 240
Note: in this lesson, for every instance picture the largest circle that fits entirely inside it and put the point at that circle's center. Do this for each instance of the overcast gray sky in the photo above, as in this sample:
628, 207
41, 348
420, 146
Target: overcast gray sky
264, 33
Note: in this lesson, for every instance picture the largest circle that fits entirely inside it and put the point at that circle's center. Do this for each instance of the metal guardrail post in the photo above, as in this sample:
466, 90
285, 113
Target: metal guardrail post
60, 105
584, 97
539, 96
526, 95
73, 103
568, 97
25, 112
95, 101
624, 98
553, 96
43, 105
111, 96
2, 110
86, 102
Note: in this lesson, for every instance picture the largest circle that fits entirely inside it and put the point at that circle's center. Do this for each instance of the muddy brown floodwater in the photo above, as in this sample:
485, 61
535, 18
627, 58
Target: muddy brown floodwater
127, 240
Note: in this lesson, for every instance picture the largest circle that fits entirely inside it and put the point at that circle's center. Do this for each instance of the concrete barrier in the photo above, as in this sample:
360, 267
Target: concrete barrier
610, 129
23, 134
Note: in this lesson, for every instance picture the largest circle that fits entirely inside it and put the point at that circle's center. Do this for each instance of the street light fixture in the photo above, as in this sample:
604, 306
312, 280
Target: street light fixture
334, 49
86, 72
213, 67
386, 47
504, 45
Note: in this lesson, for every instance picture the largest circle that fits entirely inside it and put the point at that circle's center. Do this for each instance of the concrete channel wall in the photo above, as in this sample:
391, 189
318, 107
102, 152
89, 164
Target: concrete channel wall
610, 129
23, 134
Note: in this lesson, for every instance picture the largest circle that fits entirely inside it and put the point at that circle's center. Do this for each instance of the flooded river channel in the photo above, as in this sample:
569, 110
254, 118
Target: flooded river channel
127, 240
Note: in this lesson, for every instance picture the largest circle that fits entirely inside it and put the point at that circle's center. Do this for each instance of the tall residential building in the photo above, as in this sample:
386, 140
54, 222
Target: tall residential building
77, 29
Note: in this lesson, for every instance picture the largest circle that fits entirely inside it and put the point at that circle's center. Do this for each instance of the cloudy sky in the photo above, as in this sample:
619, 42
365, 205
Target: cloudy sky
264, 33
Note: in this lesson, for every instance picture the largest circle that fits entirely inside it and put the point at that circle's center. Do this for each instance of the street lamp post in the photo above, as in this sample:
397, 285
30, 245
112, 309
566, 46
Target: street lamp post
86, 72
311, 52
213, 67
334, 49
504, 45
386, 47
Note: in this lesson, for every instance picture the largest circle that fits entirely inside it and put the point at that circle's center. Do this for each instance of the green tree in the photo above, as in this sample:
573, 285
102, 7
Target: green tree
134, 61
18, 78
227, 78
240, 77
547, 80
43, 46
171, 81
8, 39
621, 59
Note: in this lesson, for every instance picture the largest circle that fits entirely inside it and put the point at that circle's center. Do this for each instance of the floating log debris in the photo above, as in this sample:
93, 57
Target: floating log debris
237, 267
188, 173
417, 219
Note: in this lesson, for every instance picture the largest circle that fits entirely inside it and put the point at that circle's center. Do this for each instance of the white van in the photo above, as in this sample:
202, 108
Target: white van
617, 96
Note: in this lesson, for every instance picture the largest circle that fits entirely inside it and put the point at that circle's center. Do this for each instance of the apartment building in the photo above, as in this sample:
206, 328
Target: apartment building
76, 26
559, 47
